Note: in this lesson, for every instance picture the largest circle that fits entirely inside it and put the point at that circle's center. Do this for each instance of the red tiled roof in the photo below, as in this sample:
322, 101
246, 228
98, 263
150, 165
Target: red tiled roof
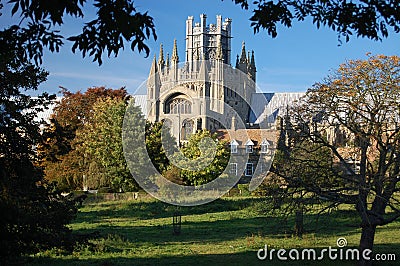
243, 135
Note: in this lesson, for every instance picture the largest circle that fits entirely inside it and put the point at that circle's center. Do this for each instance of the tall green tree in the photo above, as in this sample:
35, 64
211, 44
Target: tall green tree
34, 215
101, 143
156, 138
202, 159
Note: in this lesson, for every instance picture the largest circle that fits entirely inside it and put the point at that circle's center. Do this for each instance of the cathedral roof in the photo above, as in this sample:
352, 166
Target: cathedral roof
265, 107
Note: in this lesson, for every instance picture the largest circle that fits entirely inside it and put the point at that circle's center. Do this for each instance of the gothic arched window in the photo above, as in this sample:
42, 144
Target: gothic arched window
180, 106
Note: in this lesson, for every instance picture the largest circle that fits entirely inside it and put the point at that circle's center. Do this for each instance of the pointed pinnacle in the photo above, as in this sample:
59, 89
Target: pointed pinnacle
252, 61
175, 56
161, 61
153, 68
243, 58
167, 61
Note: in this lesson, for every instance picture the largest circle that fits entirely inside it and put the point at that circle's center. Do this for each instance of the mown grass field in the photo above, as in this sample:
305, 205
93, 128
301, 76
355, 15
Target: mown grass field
227, 231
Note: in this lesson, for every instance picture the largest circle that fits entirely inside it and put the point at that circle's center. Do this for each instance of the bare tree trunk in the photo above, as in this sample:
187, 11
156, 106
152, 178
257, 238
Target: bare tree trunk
298, 227
367, 242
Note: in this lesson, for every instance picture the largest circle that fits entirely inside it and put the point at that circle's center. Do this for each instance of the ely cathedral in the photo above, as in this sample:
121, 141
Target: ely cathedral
204, 90
201, 90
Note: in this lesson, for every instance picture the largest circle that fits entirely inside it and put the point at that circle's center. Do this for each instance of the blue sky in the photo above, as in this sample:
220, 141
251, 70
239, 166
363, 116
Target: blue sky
292, 62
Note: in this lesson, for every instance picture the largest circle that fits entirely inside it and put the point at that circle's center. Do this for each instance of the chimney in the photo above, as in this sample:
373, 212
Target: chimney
233, 124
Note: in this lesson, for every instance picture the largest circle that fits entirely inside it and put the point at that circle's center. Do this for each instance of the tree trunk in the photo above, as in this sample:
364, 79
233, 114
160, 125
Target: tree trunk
367, 242
298, 227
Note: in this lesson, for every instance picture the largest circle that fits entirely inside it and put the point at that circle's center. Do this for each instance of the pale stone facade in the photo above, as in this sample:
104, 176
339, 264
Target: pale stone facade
198, 93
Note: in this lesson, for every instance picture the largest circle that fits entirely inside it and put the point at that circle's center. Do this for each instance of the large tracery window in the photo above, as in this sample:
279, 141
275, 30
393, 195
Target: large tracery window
180, 106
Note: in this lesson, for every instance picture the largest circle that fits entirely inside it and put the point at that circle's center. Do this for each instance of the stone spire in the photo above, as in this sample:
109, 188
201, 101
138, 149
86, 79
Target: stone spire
174, 63
167, 64
252, 61
252, 67
175, 56
161, 61
242, 66
154, 81
153, 69
243, 58
153, 90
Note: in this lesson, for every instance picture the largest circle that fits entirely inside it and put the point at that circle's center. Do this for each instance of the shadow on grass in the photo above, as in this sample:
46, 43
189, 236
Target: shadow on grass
148, 210
239, 258
145, 243
215, 230
149, 241
157, 209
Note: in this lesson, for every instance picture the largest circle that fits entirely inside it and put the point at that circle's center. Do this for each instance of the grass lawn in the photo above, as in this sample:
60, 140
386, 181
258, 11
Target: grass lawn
227, 231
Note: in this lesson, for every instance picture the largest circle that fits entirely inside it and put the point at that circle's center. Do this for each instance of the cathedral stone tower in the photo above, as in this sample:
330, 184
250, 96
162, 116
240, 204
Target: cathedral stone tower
203, 40
192, 96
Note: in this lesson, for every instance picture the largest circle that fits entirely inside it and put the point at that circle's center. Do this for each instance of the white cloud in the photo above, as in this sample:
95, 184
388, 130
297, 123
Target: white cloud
99, 77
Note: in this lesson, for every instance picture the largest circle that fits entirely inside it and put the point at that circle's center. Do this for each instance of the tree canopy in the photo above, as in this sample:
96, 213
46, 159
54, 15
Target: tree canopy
355, 114
100, 141
119, 23
34, 214
155, 141
298, 165
205, 158
60, 146
116, 22
366, 18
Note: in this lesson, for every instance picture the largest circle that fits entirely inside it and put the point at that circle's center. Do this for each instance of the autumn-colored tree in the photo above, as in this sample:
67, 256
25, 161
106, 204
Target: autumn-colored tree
58, 151
360, 99
298, 164
75, 108
173, 174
